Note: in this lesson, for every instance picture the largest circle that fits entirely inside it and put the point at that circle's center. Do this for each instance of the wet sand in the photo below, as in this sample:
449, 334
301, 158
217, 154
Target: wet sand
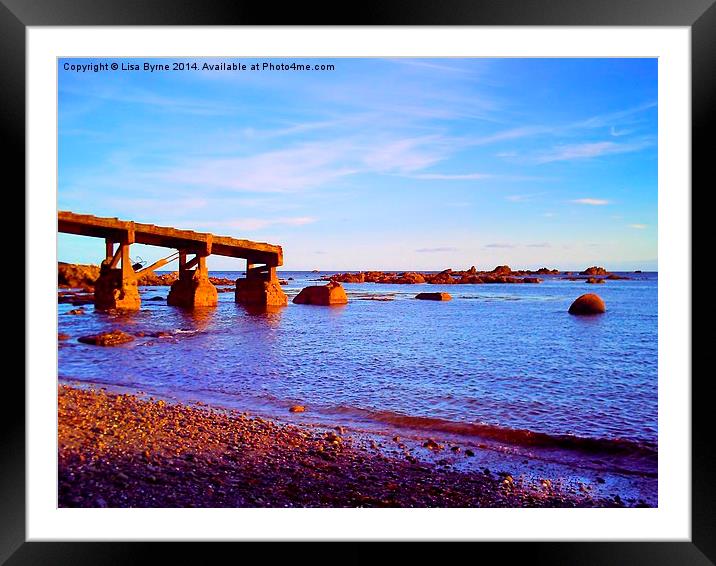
120, 450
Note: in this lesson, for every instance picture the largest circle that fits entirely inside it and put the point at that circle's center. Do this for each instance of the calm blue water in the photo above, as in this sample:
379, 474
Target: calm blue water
495, 359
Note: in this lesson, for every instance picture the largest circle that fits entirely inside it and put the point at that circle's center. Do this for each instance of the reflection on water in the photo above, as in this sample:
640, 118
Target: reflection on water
197, 319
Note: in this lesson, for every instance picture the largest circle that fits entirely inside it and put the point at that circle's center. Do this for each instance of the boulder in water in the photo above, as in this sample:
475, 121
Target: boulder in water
331, 294
433, 296
588, 304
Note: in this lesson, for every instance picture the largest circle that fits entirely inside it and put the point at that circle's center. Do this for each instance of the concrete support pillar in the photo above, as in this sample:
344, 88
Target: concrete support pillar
116, 287
260, 287
193, 288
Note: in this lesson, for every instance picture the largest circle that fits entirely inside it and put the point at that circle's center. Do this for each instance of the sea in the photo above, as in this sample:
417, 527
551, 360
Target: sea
502, 367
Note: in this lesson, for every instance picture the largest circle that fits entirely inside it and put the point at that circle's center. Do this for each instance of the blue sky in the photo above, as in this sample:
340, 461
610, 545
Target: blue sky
379, 164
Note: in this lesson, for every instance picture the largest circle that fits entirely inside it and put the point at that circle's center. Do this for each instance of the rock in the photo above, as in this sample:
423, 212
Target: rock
331, 294
433, 296
332, 437
502, 270
112, 338
63, 336
613, 277
76, 311
594, 270
442, 278
410, 277
469, 452
156, 299
588, 304
596, 280
283, 282
76, 275
297, 409
531, 280
430, 444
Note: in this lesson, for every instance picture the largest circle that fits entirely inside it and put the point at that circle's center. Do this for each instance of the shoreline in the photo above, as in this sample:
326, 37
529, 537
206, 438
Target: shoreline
120, 450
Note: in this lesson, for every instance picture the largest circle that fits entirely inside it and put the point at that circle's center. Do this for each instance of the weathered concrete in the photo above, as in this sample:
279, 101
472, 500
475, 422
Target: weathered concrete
112, 291
117, 286
193, 288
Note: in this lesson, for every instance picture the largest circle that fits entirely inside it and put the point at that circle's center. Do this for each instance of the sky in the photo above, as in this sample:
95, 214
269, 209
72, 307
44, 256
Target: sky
419, 164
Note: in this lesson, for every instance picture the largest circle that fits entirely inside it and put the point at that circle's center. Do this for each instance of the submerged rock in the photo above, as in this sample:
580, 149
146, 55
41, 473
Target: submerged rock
588, 304
433, 296
331, 294
596, 280
112, 338
297, 409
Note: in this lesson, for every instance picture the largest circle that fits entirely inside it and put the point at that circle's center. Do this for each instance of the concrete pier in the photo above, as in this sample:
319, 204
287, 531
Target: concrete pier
116, 288
260, 287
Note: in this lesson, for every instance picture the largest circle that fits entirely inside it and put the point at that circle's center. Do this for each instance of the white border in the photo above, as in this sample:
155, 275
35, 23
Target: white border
670, 521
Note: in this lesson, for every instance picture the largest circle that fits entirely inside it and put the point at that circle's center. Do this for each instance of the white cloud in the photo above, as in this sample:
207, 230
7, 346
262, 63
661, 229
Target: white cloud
588, 150
406, 155
591, 201
436, 250
256, 223
638, 226
452, 177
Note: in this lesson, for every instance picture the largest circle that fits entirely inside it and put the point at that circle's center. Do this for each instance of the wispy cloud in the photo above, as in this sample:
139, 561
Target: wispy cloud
638, 226
619, 133
256, 223
540, 245
435, 250
452, 177
500, 245
591, 201
407, 155
588, 150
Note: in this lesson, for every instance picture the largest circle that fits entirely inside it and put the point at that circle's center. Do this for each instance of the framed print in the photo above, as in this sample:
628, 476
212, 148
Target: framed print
423, 275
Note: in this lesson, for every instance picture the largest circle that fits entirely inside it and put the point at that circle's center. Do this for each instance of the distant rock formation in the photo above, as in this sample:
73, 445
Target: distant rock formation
502, 270
594, 270
501, 274
74, 275
588, 304
331, 294
77, 276
433, 296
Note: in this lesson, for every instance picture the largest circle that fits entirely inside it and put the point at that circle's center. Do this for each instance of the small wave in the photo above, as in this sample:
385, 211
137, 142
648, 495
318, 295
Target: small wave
522, 437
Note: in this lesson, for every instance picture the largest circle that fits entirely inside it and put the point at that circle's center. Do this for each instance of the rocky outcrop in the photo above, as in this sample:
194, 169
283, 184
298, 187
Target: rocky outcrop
596, 280
112, 338
594, 270
502, 270
77, 276
587, 305
433, 296
331, 294
501, 274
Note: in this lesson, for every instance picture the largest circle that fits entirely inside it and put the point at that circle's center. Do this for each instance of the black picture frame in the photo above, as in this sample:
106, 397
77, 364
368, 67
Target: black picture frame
17, 15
